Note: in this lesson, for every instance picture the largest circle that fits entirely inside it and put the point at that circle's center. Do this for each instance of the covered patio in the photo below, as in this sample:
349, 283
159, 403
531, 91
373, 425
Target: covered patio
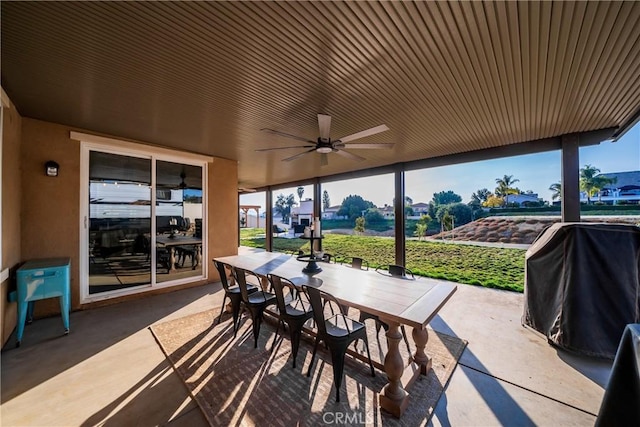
213, 93
111, 370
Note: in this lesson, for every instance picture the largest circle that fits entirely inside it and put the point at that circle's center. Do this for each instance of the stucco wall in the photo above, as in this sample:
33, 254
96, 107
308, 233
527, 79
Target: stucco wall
11, 256
51, 207
223, 211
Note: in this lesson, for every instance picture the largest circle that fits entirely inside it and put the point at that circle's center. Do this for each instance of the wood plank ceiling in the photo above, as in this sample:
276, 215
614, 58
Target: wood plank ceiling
446, 77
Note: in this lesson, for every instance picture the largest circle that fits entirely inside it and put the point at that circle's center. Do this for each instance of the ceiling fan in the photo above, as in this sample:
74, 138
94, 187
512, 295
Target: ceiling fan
182, 185
324, 144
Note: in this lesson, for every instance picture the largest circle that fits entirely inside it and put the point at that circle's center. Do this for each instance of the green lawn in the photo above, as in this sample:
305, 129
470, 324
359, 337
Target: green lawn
474, 265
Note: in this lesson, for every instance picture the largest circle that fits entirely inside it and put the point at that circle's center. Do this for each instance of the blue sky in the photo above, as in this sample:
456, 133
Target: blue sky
535, 172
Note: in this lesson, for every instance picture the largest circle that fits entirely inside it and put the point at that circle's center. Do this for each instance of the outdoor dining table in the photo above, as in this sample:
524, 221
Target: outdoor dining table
395, 301
172, 242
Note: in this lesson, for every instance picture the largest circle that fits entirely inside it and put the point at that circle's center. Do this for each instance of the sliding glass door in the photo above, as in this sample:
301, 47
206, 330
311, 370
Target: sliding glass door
144, 221
119, 222
178, 221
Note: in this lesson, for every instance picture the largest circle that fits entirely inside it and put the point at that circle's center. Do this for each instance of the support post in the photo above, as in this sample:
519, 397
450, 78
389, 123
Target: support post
398, 210
570, 201
268, 225
317, 204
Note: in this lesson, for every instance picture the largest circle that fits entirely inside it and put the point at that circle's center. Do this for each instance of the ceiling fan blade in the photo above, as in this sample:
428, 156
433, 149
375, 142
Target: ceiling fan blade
288, 159
369, 146
287, 135
362, 134
282, 148
324, 159
349, 155
324, 124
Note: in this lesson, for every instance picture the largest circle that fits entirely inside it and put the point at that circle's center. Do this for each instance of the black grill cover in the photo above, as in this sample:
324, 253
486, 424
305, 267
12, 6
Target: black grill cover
582, 285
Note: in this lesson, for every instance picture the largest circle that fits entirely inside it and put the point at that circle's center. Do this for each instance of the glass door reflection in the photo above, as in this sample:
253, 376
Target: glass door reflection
178, 221
119, 222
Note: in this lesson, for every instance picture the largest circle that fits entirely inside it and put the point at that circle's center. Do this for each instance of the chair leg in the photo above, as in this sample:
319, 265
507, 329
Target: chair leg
406, 341
275, 338
366, 344
222, 309
294, 333
235, 309
313, 356
257, 320
337, 360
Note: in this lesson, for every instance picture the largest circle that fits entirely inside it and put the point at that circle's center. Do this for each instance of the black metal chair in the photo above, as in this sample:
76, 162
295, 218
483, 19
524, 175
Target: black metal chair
294, 309
356, 262
337, 332
394, 271
397, 271
231, 292
255, 302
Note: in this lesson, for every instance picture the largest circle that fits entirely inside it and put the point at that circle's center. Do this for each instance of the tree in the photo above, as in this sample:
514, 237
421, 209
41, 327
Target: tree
326, 203
479, 197
588, 184
373, 215
505, 186
601, 182
421, 231
556, 191
359, 228
422, 226
460, 212
445, 198
353, 206
283, 206
493, 202
300, 192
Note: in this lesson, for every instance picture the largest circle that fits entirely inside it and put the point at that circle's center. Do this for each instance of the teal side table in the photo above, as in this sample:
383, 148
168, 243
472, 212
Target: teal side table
40, 279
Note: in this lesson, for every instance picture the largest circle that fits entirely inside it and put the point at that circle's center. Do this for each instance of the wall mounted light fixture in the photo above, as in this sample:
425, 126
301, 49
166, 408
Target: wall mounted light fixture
51, 168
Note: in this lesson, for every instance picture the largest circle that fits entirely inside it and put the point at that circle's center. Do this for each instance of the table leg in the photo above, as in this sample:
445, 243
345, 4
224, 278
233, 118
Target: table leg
22, 318
172, 259
64, 310
420, 337
394, 397
198, 256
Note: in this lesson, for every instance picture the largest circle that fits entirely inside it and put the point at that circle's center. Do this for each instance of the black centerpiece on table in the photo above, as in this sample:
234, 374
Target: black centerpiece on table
312, 266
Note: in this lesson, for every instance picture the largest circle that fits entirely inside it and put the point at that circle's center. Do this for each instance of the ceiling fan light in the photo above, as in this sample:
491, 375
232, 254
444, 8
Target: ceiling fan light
324, 150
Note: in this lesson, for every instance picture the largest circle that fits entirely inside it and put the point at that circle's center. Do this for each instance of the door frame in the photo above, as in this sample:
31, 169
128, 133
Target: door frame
90, 143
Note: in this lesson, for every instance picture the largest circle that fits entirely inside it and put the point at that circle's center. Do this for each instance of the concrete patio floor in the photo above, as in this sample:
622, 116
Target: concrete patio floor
110, 371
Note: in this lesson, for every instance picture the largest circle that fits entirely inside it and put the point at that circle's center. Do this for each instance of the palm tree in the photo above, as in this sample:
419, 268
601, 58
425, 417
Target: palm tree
505, 187
283, 206
300, 192
326, 203
588, 183
556, 189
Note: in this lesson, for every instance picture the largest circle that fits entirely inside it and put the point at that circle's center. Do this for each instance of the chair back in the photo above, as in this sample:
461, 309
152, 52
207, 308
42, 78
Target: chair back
315, 298
222, 270
359, 263
282, 288
400, 271
240, 275
287, 293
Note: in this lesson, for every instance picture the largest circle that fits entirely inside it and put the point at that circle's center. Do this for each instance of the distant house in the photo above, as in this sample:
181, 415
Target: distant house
521, 199
387, 212
332, 213
625, 189
303, 214
420, 208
